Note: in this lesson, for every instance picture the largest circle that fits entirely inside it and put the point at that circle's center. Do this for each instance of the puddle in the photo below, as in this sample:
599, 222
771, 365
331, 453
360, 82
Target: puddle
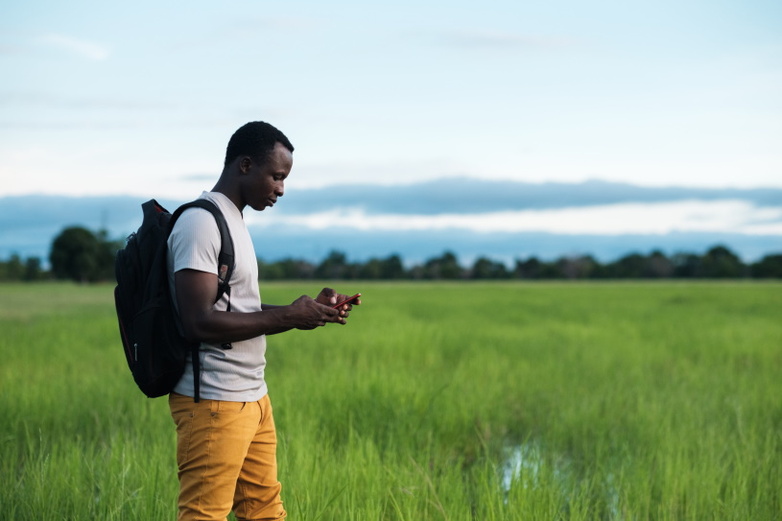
529, 466
517, 459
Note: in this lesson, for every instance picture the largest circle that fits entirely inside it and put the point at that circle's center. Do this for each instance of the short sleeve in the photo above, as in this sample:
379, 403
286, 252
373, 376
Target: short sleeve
194, 242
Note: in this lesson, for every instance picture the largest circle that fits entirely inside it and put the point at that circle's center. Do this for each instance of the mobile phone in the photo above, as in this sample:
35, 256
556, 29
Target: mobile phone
348, 300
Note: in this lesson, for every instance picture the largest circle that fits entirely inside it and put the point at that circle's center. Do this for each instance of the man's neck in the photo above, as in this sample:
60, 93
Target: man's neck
228, 190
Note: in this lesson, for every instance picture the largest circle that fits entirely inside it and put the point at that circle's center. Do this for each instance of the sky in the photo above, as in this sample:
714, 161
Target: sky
105, 98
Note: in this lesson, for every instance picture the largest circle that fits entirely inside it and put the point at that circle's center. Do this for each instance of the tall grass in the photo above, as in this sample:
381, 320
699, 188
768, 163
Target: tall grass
452, 401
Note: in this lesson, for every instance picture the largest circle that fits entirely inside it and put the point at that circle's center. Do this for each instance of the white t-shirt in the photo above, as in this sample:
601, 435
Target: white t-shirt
235, 374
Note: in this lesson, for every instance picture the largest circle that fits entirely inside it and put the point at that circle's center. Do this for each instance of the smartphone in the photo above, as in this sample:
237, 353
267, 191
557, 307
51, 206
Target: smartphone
348, 300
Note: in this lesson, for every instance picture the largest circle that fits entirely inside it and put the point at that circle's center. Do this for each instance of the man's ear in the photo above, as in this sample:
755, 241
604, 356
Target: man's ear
244, 164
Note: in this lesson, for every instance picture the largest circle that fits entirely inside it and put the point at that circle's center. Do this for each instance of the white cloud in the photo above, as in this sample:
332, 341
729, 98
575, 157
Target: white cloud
90, 50
498, 39
727, 216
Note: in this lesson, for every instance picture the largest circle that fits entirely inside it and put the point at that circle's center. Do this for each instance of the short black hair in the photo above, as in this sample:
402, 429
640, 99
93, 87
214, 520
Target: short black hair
255, 139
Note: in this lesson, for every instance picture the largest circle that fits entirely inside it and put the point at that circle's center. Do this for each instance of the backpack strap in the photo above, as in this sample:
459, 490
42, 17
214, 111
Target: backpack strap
226, 259
225, 268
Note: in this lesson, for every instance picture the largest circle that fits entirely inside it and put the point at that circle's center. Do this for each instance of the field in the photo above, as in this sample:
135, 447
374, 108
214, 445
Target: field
439, 401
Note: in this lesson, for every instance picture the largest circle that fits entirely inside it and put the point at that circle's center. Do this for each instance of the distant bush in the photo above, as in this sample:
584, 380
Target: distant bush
28, 270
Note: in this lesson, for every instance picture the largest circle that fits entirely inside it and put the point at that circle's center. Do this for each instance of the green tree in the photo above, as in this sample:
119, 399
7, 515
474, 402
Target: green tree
720, 262
14, 269
528, 269
580, 267
76, 254
334, 266
484, 268
445, 267
287, 269
631, 266
106, 253
32, 269
552, 270
391, 268
658, 266
769, 266
686, 265
370, 270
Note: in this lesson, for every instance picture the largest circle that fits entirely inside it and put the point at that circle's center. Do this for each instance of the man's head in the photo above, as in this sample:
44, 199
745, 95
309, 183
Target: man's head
256, 140
258, 160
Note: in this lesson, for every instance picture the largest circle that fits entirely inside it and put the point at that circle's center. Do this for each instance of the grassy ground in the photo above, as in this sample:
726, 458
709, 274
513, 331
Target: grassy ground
453, 401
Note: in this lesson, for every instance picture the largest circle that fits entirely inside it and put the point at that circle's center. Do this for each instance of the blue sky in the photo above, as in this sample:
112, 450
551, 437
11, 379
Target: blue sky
140, 98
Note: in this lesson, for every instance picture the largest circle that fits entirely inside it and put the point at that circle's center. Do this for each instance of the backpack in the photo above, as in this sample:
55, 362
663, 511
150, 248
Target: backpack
155, 349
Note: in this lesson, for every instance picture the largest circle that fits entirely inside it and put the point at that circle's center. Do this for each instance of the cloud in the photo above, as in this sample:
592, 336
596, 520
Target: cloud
42, 99
725, 216
199, 178
479, 196
499, 39
85, 49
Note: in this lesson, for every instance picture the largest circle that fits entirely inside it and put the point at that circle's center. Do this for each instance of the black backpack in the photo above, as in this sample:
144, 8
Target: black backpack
155, 349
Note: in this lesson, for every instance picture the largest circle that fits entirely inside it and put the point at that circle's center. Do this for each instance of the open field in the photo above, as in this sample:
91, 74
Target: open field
441, 401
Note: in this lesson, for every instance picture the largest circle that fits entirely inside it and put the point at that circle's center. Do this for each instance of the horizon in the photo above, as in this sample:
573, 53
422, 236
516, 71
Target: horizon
504, 222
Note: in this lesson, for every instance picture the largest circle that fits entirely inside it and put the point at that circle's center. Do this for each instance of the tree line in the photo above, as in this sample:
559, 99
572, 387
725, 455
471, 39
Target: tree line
717, 263
84, 256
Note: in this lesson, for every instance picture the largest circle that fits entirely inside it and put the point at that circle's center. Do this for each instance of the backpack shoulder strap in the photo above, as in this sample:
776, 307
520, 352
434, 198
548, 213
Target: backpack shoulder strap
225, 268
226, 259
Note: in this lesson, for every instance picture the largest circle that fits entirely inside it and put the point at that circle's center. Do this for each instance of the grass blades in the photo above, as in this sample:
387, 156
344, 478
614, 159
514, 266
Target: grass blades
439, 401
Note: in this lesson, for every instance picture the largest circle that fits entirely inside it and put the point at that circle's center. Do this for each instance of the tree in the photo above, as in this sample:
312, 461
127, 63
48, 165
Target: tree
658, 266
769, 266
528, 269
485, 268
80, 255
552, 270
580, 267
76, 253
631, 266
370, 270
720, 262
686, 265
14, 269
445, 267
287, 269
32, 269
334, 266
391, 268
107, 252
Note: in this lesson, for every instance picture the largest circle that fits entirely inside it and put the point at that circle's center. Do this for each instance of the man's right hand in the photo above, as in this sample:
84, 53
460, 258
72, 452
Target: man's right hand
309, 314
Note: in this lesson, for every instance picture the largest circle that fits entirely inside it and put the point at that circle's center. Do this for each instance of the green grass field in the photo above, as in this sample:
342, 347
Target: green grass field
441, 401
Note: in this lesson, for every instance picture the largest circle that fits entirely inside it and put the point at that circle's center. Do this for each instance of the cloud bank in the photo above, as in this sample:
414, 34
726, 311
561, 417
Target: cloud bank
617, 219
470, 217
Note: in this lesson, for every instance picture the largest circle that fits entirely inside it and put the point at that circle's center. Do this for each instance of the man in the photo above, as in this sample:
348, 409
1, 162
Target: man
226, 442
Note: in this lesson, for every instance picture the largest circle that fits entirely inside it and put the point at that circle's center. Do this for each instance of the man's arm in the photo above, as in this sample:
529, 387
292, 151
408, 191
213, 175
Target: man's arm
267, 307
197, 290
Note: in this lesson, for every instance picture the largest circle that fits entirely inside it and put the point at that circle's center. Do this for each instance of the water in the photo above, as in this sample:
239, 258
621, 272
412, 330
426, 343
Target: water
526, 464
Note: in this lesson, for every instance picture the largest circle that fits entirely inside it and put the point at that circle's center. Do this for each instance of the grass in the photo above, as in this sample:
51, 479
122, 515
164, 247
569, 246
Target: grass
442, 401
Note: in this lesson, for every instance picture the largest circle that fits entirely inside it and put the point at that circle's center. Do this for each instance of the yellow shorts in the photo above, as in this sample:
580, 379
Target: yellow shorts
227, 458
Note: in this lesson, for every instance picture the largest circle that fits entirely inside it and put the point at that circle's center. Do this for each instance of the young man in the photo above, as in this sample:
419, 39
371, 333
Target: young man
226, 443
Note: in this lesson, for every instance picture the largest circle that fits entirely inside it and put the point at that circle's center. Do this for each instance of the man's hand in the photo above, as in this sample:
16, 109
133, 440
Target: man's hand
196, 292
327, 297
308, 313
330, 297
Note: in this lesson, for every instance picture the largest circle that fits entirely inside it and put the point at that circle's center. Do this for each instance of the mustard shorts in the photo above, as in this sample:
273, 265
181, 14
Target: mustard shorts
227, 458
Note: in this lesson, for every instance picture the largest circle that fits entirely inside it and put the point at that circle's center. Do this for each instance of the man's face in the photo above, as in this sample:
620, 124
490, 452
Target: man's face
266, 182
